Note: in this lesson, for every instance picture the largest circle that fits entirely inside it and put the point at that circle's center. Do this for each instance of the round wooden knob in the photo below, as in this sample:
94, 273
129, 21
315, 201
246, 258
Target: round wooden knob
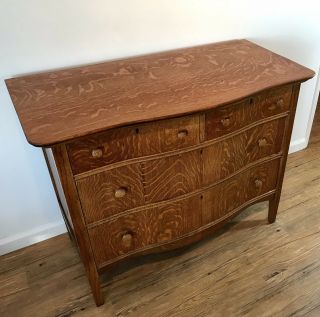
96, 153
262, 142
120, 192
127, 239
182, 134
280, 102
258, 183
225, 121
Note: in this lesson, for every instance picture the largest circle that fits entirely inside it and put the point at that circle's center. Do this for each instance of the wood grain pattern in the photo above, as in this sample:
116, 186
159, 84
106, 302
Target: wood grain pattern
226, 119
227, 196
231, 154
171, 176
141, 183
150, 226
165, 178
154, 225
133, 141
115, 145
178, 133
199, 146
53, 106
97, 193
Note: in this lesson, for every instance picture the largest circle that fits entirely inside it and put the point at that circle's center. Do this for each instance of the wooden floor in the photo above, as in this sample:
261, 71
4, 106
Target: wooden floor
249, 268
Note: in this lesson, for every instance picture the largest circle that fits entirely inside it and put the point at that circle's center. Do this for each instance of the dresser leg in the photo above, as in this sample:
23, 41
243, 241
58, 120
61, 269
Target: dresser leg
273, 208
96, 288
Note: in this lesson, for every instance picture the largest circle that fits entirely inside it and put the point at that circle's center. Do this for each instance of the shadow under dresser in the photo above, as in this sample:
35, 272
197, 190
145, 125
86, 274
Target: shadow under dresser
154, 152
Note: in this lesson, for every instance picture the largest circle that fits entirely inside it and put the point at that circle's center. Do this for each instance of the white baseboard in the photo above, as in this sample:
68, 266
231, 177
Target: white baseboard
298, 145
35, 235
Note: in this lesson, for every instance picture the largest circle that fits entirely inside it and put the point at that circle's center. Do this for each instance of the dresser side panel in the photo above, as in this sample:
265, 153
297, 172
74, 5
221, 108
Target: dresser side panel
274, 201
58, 187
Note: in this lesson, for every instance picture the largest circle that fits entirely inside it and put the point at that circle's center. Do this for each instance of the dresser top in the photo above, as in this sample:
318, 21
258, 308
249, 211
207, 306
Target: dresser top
57, 106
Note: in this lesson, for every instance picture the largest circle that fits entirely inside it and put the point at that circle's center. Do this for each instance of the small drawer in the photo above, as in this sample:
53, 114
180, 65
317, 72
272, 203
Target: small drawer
227, 119
139, 230
133, 141
239, 189
231, 154
110, 192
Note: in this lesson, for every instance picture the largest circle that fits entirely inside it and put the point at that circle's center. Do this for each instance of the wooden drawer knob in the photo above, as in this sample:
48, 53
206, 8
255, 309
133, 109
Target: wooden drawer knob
127, 239
258, 183
120, 192
225, 121
262, 142
280, 102
96, 153
182, 134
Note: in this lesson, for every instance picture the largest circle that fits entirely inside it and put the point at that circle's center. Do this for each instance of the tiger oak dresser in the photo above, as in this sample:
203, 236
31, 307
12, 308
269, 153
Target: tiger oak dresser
154, 152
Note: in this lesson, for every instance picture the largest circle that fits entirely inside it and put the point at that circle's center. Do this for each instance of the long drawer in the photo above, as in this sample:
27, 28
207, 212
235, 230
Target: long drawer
127, 234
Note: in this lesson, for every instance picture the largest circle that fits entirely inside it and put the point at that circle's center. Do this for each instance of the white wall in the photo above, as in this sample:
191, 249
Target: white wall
38, 35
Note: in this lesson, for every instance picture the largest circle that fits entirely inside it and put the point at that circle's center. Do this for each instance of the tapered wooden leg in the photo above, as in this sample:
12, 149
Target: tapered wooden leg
95, 285
273, 208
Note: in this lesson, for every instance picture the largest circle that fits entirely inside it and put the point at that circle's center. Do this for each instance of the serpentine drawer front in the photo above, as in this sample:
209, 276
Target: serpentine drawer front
152, 153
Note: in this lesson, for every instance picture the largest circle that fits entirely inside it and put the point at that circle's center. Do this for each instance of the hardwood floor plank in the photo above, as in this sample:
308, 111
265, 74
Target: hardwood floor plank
12, 283
35, 252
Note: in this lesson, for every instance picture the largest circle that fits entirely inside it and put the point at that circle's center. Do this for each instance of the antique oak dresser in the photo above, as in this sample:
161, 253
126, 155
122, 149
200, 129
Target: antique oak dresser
154, 152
